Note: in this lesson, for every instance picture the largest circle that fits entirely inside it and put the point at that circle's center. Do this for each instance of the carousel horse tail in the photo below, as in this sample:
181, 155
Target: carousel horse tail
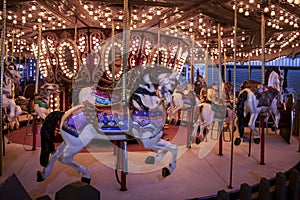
47, 136
240, 112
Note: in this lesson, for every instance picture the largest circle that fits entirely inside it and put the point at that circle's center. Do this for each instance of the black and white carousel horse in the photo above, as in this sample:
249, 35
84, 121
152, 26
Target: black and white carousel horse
141, 117
254, 99
11, 77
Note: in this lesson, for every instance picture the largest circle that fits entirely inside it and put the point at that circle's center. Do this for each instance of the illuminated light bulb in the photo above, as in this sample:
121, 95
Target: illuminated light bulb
29, 15
281, 18
269, 24
296, 2
241, 10
33, 7
286, 20
158, 12
247, 13
9, 17
266, 9
291, 23
273, 13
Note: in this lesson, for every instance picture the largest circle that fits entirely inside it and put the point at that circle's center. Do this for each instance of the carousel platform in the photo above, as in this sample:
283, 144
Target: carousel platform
195, 176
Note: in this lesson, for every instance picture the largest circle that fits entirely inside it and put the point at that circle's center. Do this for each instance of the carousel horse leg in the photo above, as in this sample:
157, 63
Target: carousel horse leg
47, 170
164, 146
67, 158
251, 124
12, 107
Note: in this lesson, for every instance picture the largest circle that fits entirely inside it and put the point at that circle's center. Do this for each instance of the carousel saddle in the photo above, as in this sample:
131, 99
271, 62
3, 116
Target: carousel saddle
266, 97
103, 118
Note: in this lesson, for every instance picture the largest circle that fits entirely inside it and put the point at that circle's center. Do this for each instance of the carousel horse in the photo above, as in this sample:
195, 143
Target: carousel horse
11, 77
144, 121
254, 99
213, 108
183, 100
40, 103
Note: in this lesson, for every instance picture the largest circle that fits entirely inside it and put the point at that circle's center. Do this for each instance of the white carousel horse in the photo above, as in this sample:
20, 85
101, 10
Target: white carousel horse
146, 107
214, 108
184, 99
39, 104
11, 77
254, 102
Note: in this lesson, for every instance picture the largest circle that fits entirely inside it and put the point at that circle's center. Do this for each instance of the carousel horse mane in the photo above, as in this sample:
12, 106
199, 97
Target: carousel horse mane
142, 118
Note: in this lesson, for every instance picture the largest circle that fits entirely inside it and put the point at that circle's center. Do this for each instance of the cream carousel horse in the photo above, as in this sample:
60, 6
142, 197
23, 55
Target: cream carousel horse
11, 77
145, 119
258, 100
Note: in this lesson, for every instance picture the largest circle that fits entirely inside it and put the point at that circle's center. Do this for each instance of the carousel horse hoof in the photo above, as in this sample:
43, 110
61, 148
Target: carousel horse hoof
86, 180
273, 128
256, 140
165, 172
39, 177
198, 140
237, 141
150, 160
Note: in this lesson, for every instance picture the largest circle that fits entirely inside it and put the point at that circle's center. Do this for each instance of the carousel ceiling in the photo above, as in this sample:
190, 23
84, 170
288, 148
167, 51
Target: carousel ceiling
199, 19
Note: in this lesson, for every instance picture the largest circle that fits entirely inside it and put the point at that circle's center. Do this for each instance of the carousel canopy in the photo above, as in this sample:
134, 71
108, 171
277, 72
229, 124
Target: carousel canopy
198, 19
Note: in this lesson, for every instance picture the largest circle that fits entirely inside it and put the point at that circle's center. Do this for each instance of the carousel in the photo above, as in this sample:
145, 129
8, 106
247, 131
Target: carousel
137, 99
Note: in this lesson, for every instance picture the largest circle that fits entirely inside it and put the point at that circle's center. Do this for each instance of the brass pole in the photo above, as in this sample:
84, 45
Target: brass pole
192, 59
225, 68
126, 28
220, 59
12, 46
113, 50
3, 33
279, 59
263, 48
249, 67
206, 65
37, 71
234, 95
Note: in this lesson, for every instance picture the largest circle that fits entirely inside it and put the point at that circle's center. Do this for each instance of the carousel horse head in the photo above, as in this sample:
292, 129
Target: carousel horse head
275, 81
11, 73
49, 88
42, 100
229, 90
166, 87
